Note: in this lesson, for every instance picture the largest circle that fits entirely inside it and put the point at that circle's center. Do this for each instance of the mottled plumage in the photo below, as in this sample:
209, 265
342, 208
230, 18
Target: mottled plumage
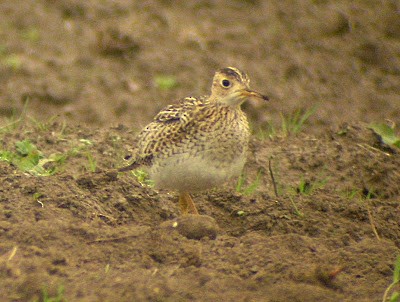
198, 143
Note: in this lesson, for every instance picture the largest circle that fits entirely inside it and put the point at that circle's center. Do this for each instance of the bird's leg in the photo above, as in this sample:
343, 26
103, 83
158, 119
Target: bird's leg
186, 204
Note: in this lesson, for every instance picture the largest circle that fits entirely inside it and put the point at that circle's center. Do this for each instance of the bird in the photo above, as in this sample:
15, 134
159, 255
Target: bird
198, 143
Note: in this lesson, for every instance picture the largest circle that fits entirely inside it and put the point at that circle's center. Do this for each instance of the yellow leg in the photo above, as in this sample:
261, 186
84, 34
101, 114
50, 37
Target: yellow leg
186, 203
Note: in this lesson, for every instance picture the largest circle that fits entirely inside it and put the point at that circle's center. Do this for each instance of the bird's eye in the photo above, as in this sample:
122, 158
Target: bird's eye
226, 83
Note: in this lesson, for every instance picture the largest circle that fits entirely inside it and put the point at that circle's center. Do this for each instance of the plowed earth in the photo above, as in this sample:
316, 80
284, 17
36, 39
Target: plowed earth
82, 79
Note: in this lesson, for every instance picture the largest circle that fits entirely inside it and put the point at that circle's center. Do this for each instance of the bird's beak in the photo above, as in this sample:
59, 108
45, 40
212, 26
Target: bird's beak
253, 95
239, 96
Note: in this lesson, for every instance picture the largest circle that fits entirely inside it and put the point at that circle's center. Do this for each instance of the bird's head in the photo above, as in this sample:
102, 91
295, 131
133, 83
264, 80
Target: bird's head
231, 87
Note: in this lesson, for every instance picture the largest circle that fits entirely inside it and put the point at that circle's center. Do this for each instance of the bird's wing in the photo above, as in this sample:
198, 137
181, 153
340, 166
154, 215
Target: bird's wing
179, 112
167, 125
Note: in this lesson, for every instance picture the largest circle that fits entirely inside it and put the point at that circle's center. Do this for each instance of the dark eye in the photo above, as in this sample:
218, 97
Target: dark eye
226, 83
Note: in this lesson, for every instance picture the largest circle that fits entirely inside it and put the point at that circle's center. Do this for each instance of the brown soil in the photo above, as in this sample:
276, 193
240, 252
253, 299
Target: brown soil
87, 71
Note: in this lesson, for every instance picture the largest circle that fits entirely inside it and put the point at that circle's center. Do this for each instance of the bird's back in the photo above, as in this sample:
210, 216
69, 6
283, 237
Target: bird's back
192, 126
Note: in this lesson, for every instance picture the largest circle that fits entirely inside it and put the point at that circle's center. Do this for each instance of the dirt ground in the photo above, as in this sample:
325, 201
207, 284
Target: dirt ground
82, 77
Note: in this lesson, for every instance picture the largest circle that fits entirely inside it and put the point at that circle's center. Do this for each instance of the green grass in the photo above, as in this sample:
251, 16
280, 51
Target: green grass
59, 296
15, 121
351, 193
251, 188
291, 124
395, 297
18, 120
297, 212
42, 125
92, 163
306, 187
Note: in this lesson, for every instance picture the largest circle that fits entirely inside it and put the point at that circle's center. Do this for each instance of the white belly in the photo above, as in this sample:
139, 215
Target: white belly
193, 174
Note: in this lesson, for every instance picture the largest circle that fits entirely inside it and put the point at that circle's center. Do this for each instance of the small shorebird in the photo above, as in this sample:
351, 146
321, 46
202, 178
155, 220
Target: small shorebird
199, 142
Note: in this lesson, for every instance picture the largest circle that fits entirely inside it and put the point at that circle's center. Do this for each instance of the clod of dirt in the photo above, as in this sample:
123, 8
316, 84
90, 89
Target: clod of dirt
194, 226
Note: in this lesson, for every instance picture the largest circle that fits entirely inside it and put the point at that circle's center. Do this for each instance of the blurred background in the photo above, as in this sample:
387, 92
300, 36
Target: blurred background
111, 62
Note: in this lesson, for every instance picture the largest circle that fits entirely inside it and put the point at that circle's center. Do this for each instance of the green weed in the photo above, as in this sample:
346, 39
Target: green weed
395, 297
28, 158
143, 178
387, 133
